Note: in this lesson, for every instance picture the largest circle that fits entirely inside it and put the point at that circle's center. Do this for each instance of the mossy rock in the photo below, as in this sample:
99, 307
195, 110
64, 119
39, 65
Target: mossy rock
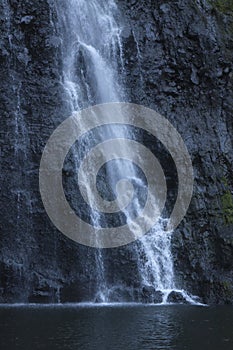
227, 288
223, 6
227, 204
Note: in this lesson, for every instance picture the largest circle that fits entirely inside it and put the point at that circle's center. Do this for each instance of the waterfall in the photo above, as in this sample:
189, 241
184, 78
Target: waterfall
91, 49
93, 64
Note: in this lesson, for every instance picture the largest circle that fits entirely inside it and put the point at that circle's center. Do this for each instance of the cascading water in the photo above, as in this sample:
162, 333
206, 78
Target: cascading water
91, 40
92, 66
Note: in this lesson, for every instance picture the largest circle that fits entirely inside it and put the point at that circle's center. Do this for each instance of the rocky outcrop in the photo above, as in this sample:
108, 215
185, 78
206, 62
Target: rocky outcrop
178, 60
176, 298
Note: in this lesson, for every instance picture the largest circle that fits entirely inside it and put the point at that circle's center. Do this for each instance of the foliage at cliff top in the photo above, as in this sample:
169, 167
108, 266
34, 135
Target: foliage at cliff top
223, 6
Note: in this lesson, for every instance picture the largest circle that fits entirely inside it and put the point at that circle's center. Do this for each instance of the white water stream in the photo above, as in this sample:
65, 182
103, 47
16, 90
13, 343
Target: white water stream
92, 65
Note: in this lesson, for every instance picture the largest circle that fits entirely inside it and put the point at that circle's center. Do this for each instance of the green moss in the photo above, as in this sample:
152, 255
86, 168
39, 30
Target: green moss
227, 288
226, 285
223, 6
224, 181
227, 204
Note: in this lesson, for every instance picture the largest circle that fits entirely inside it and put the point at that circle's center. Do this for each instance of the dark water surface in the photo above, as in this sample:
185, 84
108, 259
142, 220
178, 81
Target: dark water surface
129, 327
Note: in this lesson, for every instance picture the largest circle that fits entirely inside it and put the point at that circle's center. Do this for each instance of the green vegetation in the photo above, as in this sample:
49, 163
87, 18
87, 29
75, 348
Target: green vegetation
227, 288
223, 6
227, 285
227, 204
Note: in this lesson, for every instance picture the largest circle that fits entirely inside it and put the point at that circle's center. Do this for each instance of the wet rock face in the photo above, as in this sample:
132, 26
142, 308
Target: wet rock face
176, 298
30, 108
150, 295
178, 61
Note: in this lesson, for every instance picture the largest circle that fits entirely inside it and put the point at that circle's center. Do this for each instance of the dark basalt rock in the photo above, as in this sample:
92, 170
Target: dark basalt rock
176, 298
44, 296
119, 294
150, 295
74, 293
